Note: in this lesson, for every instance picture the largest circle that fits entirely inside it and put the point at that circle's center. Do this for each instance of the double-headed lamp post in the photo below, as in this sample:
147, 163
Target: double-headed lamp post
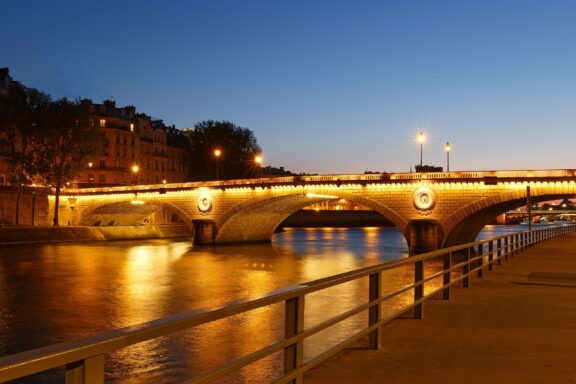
421, 139
447, 148
217, 154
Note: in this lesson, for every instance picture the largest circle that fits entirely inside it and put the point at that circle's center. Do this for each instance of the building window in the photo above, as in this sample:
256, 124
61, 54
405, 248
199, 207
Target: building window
102, 164
102, 178
102, 123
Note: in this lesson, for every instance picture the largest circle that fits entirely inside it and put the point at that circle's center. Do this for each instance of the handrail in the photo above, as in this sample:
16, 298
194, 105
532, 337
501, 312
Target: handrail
88, 353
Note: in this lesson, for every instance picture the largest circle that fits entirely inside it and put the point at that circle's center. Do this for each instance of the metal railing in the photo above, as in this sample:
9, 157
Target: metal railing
84, 358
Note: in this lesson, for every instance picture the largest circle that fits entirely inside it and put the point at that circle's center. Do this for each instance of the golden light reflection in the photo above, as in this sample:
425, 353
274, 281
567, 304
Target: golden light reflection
371, 239
146, 278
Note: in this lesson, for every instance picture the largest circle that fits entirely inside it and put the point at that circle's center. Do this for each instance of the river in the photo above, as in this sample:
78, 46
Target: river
58, 292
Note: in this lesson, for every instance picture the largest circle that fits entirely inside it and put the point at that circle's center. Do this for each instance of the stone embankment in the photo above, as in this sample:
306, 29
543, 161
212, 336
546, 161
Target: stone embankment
44, 234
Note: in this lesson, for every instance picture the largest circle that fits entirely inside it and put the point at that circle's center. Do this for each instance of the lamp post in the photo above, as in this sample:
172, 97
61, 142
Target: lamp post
421, 140
90, 175
217, 154
135, 169
33, 205
258, 161
447, 148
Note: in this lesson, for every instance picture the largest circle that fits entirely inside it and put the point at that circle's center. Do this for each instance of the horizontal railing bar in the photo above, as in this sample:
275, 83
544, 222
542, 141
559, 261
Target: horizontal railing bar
330, 352
44, 358
335, 320
326, 324
458, 266
432, 277
237, 364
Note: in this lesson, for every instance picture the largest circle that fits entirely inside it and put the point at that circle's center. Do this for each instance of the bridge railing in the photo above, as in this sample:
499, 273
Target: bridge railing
84, 359
331, 179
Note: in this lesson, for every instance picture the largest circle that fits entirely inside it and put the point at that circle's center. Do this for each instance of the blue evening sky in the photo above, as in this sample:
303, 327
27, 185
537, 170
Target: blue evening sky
326, 86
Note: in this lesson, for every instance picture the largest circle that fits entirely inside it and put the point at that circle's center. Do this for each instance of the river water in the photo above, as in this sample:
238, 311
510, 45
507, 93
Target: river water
58, 292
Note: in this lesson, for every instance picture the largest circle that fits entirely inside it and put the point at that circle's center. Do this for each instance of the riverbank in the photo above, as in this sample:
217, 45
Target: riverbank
45, 234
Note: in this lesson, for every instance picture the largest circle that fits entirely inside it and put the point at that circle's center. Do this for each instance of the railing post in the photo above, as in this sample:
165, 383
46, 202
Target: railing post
480, 254
466, 270
490, 255
88, 371
375, 311
418, 289
447, 276
523, 239
294, 325
506, 248
499, 253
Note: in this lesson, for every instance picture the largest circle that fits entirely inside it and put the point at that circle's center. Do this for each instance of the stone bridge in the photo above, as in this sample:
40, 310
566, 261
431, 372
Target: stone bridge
431, 209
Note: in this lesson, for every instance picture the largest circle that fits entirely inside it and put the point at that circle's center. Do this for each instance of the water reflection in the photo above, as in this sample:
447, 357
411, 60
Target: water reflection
53, 293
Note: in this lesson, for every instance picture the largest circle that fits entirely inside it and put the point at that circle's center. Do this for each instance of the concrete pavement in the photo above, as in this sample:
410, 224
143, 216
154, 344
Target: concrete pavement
516, 325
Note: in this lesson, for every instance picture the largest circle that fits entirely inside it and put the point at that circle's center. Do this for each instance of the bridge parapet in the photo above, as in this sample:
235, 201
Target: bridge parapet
361, 179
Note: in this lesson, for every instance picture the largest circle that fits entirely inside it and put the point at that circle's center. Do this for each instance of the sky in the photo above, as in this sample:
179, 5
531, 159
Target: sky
329, 86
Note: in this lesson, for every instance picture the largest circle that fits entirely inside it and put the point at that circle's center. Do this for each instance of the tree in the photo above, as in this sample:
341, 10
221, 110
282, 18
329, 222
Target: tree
66, 138
18, 107
238, 148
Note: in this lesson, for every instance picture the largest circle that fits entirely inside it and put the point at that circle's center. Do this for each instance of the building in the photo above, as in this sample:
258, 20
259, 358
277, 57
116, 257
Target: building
136, 149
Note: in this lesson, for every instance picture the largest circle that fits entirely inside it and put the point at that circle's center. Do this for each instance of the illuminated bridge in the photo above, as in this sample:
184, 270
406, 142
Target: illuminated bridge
432, 210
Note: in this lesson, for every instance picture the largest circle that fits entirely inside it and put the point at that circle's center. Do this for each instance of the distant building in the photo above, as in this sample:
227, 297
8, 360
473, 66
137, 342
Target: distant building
136, 149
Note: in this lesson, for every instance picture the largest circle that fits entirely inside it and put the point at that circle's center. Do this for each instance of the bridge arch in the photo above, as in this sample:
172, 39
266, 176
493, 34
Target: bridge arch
465, 224
127, 212
256, 220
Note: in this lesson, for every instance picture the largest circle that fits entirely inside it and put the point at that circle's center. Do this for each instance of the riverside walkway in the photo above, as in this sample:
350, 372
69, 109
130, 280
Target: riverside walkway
516, 325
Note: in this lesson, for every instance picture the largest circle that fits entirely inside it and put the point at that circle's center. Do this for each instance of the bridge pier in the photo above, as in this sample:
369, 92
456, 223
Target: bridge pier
423, 236
204, 232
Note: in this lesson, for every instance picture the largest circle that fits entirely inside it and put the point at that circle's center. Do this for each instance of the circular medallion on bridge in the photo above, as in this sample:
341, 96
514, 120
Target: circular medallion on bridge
204, 203
424, 200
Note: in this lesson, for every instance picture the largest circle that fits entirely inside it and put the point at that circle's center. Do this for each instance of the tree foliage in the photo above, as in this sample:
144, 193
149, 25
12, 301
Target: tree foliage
238, 148
66, 138
19, 107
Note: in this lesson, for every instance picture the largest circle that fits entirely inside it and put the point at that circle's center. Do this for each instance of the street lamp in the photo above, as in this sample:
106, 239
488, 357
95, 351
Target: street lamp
258, 161
447, 148
217, 154
90, 175
421, 139
135, 169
